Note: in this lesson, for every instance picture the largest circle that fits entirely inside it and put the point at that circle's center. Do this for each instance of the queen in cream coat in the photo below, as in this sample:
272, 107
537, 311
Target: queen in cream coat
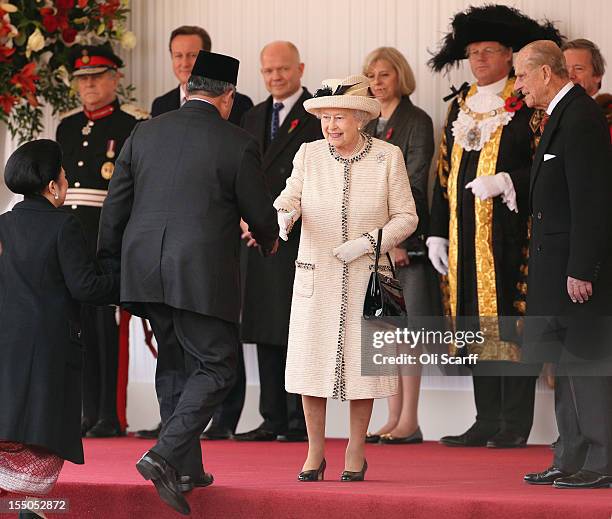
342, 200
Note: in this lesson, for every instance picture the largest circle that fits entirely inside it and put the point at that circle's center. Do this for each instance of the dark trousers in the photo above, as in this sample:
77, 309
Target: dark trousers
196, 367
505, 403
227, 415
100, 335
282, 412
583, 407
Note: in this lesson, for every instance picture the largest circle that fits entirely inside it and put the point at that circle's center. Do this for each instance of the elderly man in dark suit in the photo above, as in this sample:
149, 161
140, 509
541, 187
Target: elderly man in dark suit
183, 182
570, 267
280, 125
185, 43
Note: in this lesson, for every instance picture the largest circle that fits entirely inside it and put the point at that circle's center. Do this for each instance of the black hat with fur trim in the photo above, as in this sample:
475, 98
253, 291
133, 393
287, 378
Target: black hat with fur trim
494, 22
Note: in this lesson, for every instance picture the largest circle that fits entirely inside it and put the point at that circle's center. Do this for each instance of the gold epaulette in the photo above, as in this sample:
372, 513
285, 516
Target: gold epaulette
68, 113
135, 111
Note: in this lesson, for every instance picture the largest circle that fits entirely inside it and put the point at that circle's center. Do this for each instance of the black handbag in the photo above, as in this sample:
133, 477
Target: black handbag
384, 296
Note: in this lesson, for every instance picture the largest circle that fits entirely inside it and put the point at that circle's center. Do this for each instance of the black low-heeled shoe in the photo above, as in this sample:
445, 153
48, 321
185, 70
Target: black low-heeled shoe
372, 438
347, 475
314, 474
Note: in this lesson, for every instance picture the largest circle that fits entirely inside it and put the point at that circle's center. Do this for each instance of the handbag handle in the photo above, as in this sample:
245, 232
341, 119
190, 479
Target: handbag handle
378, 242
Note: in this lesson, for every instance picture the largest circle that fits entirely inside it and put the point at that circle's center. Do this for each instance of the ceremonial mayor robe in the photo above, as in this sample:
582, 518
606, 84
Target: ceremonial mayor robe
488, 242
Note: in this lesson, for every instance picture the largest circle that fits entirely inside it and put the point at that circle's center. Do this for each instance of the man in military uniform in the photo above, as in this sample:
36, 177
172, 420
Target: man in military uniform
91, 138
478, 234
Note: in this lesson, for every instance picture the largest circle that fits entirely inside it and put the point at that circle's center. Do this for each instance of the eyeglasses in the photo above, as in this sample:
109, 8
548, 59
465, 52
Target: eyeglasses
486, 52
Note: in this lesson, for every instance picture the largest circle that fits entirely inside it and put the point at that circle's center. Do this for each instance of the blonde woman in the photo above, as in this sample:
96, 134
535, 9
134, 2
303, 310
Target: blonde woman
410, 128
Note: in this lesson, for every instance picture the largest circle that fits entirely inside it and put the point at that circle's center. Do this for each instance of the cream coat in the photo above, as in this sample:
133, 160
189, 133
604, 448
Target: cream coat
324, 351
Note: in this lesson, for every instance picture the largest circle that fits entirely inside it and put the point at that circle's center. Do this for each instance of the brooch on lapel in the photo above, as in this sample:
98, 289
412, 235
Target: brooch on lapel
389, 134
380, 158
294, 124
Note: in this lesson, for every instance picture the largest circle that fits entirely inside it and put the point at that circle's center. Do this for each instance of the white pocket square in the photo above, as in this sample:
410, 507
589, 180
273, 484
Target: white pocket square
548, 156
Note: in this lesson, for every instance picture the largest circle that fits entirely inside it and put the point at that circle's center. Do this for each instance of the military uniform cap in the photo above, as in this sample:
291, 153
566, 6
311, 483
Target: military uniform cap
93, 59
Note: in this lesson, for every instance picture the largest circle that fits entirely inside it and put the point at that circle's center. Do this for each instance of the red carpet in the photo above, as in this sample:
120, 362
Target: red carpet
258, 480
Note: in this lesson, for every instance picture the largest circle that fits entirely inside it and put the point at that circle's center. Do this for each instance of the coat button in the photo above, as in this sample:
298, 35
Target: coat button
85, 143
539, 215
539, 249
80, 163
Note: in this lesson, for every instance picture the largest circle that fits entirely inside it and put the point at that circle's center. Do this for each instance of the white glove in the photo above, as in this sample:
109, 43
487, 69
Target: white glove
352, 249
495, 185
285, 224
438, 253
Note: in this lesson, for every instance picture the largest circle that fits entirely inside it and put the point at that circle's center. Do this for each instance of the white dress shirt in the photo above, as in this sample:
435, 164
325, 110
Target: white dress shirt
568, 86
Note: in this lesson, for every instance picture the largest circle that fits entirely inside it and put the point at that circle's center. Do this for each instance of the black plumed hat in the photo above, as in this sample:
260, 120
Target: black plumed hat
32, 166
493, 22
216, 66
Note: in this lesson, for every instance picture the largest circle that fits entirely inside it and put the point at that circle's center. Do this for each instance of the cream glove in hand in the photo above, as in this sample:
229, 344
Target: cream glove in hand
285, 224
438, 253
495, 185
352, 249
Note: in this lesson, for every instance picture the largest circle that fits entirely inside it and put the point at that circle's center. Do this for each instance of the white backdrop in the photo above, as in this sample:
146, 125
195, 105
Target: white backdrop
333, 38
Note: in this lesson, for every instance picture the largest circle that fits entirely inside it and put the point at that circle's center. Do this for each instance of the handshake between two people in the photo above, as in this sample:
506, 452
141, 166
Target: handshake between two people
347, 252
252, 242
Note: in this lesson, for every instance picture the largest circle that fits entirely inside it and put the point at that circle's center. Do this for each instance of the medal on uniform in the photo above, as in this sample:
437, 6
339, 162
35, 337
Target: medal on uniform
108, 168
473, 136
86, 130
110, 149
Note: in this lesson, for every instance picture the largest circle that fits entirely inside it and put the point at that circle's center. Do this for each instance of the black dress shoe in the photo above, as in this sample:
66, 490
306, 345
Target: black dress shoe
293, 436
187, 483
347, 475
507, 440
475, 436
155, 468
256, 435
584, 479
216, 434
546, 477
415, 437
85, 426
149, 434
105, 429
313, 475
372, 438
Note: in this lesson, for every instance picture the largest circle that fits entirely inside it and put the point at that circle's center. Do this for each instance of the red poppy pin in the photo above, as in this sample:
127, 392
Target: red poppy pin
513, 104
389, 134
294, 124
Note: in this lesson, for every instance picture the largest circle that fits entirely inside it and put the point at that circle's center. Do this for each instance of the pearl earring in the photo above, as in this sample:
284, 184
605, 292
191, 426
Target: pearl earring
56, 196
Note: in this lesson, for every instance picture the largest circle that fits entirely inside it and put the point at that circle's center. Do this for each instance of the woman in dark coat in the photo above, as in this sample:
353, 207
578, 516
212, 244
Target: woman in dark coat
44, 270
407, 126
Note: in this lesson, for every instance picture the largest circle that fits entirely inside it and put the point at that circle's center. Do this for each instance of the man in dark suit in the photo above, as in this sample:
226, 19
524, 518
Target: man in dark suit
280, 124
569, 298
185, 43
184, 181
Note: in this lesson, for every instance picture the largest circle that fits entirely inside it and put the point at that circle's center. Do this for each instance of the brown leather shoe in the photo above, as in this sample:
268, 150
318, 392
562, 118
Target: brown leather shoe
584, 479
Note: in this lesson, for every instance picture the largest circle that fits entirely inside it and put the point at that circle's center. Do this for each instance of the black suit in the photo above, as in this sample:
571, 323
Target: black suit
228, 414
171, 101
183, 181
269, 284
571, 205
45, 268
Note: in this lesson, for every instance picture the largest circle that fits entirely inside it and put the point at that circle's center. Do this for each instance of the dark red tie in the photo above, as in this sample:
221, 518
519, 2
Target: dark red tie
543, 122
